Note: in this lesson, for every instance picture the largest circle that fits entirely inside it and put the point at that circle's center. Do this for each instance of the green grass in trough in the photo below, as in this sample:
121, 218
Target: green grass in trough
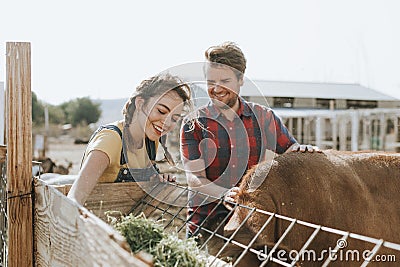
167, 249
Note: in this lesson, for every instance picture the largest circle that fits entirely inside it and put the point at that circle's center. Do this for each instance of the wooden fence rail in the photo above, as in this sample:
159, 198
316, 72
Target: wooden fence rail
67, 234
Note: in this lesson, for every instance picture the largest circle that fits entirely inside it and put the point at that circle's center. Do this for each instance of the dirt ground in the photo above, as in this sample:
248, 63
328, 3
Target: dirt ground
62, 150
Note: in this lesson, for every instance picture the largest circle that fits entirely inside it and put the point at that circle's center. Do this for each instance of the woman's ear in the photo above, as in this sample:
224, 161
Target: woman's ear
139, 102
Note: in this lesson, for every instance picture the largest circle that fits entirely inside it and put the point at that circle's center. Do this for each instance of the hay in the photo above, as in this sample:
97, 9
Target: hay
140, 233
172, 251
166, 249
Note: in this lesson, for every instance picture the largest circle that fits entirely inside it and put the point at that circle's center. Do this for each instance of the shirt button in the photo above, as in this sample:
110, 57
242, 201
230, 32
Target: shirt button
233, 166
230, 128
232, 146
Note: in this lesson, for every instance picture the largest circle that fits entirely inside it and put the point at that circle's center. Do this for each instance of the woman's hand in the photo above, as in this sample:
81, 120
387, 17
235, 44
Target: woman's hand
166, 177
230, 197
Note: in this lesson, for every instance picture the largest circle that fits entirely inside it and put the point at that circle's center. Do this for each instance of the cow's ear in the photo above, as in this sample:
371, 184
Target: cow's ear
233, 223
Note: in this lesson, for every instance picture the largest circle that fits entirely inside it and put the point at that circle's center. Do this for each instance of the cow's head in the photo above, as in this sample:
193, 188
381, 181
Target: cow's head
251, 182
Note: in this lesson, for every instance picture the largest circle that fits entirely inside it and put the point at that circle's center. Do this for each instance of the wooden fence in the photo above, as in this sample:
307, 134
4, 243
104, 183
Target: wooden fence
351, 130
67, 234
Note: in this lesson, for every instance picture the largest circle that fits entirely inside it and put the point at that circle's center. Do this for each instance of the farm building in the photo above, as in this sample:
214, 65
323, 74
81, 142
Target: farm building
330, 115
307, 95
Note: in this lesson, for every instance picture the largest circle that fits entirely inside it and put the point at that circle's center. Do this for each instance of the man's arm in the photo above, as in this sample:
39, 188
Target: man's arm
197, 179
194, 164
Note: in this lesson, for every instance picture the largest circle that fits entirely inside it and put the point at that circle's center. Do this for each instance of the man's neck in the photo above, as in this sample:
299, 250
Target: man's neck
231, 113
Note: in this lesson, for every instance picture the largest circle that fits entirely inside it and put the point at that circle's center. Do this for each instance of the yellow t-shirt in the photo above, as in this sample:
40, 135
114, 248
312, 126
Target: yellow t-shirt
109, 142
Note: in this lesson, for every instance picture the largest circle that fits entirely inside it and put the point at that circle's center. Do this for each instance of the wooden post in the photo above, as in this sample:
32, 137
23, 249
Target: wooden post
290, 124
396, 132
343, 133
19, 154
382, 131
300, 130
355, 123
2, 111
306, 137
374, 133
365, 118
318, 131
334, 123
3, 153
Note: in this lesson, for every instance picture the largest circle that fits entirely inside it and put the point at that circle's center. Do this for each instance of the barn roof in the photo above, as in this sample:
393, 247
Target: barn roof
312, 90
306, 112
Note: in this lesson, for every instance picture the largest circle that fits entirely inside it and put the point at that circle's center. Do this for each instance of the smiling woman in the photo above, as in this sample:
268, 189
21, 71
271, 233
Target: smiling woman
125, 150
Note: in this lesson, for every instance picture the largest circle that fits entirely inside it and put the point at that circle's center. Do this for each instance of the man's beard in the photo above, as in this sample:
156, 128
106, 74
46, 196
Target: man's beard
230, 104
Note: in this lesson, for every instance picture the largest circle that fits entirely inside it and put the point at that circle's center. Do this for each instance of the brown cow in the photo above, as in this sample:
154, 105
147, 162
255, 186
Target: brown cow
351, 191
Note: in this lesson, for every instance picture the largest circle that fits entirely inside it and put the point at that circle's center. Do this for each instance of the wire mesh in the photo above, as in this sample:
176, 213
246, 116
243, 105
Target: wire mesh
242, 246
3, 215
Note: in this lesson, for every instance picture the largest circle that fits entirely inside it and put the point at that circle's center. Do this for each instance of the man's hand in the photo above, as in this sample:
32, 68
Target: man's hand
304, 148
163, 177
230, 197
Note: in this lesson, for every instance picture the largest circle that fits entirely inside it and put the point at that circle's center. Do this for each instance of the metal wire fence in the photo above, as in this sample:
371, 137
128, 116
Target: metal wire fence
3, 215
170, 209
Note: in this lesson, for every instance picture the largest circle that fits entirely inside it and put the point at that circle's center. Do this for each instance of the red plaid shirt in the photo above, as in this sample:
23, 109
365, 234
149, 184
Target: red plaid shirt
230, 148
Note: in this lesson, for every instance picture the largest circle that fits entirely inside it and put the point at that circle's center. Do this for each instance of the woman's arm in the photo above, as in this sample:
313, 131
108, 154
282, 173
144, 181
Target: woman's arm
92, 169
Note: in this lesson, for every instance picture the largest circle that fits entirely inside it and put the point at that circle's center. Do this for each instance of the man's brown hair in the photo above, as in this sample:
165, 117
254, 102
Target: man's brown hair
227, 53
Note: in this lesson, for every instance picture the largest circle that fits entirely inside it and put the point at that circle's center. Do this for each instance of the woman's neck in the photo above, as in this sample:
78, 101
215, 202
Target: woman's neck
136, 133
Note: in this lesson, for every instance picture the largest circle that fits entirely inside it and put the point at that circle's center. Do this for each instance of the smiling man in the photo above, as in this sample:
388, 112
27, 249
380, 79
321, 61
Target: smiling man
230, 136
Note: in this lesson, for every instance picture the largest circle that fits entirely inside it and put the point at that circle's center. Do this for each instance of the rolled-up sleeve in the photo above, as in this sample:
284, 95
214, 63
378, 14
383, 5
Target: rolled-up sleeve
190, 140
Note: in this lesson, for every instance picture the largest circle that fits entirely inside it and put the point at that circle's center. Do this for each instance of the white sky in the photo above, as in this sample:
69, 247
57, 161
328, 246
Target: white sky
103, 49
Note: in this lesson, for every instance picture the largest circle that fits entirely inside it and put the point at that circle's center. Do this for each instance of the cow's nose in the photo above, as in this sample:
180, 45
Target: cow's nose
228, 231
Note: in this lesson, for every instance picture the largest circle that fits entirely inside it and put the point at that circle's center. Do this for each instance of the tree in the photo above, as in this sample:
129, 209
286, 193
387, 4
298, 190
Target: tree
37, 110
81, 110
77, 111
56, 114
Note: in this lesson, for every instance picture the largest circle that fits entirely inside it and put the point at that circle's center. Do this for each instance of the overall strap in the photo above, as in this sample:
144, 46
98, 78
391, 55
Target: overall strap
115, 128
151, 149
150, 145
